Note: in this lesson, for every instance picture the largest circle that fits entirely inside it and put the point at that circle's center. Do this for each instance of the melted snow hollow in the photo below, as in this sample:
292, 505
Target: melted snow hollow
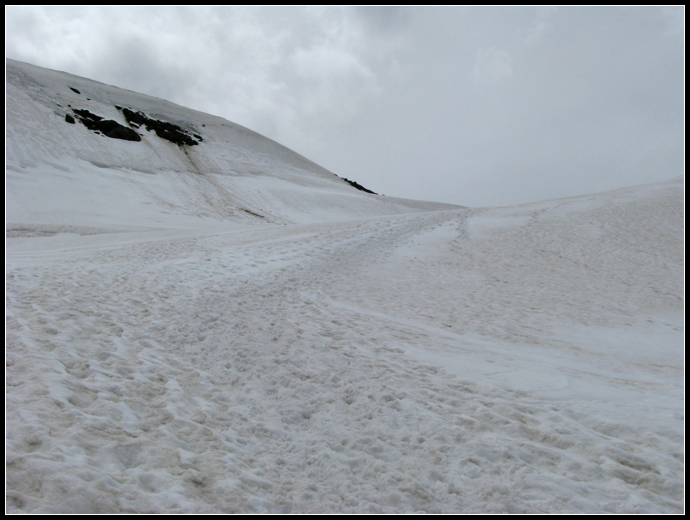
229, 328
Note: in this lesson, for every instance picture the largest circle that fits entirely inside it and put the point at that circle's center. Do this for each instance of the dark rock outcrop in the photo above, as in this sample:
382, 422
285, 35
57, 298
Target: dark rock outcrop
164, 129
359, 186
107, 127
115, 130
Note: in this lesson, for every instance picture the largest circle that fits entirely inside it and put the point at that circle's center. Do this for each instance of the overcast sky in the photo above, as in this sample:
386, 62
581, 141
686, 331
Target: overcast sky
473, 106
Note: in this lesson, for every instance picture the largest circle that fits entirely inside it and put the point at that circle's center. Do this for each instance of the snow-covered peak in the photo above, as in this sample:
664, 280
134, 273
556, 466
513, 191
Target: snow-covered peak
69, 165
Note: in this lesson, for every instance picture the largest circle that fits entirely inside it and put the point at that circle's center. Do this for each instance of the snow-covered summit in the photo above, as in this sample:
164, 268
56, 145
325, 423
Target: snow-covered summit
182, 167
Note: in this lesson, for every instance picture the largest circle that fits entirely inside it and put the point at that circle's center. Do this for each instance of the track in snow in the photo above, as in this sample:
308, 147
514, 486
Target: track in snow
393, 364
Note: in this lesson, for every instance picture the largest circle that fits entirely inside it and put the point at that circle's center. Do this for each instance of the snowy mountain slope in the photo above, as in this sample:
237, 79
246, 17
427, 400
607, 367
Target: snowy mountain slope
79, 177
525, 359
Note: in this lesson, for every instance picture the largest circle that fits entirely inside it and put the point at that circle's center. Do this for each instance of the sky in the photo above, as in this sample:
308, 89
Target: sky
483, 106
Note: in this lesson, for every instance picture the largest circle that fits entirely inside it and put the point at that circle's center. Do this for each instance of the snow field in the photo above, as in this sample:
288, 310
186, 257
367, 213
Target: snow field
523, 360
230, 328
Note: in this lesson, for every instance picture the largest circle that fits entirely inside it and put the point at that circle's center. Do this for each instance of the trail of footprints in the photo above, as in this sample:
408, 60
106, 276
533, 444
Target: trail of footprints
223, 376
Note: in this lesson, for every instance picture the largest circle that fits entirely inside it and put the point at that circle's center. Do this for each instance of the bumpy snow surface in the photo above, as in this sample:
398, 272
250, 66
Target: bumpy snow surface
169, 351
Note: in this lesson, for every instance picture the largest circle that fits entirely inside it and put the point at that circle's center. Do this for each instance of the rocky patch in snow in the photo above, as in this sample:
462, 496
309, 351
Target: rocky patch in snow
164, 129
107, 127
359, 186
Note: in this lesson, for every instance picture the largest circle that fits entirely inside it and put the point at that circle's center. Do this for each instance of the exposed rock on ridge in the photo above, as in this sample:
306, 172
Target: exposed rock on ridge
107, 127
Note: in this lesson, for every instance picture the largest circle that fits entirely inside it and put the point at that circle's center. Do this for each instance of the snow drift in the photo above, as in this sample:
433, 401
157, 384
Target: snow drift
225, 327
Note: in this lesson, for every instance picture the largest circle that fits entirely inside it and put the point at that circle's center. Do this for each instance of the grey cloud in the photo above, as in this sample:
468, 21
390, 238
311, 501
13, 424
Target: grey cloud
468, 105
384, 18
492, 65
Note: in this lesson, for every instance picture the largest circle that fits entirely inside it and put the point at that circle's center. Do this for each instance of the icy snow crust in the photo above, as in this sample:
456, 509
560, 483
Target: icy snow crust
170, 352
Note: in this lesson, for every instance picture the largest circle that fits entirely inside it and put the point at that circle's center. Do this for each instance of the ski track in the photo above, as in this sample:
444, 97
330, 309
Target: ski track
271, 371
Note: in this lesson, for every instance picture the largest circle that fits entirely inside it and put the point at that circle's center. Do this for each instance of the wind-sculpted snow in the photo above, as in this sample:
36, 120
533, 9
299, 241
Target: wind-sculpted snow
524, 360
